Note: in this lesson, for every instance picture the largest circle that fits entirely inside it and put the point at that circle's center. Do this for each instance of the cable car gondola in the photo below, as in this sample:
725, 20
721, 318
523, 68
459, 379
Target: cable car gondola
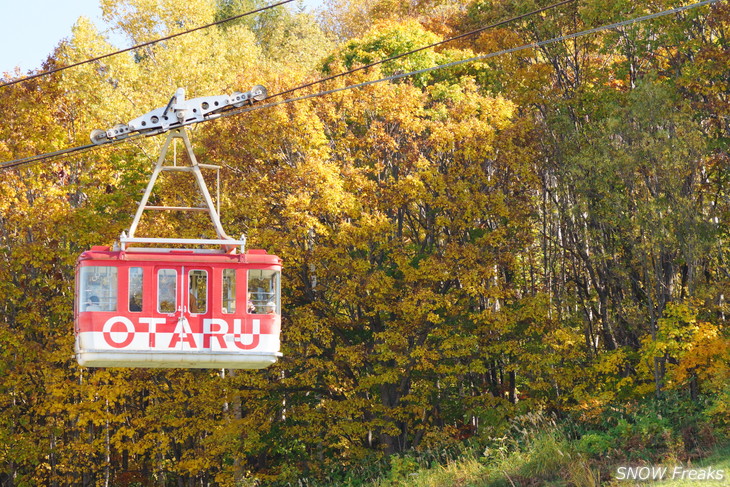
178, 307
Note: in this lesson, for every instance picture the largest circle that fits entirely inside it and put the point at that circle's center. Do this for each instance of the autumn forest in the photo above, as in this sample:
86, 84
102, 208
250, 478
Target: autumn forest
540, 232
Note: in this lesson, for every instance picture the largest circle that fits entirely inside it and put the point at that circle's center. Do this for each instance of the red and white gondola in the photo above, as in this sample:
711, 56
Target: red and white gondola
178, 307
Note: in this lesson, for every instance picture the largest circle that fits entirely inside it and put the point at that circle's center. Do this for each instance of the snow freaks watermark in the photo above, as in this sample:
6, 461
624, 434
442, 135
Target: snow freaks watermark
657, 473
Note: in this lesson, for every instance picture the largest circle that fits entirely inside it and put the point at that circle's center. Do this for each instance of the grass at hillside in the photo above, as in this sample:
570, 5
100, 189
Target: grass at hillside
550, 461
719, 462
534, 449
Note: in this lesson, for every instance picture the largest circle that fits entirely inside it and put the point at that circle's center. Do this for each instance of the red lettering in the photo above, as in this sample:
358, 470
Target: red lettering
255, 335
152, 327
183, 333
219, 333
109, 328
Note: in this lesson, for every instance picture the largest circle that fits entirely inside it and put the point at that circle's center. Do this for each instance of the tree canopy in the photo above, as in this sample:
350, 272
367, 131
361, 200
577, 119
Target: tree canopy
543, 230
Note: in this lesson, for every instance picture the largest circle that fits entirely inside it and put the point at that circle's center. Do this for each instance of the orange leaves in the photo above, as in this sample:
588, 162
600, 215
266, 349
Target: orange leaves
707, 356
502, 231
694, 349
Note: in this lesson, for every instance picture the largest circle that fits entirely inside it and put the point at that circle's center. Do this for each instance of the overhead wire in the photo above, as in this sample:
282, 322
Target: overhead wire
394, 77
435, 44
29, 160
49, 155
60, 153
144, 44
502, 52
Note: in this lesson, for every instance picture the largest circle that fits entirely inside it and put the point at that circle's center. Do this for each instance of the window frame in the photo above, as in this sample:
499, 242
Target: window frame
274, 293
225, 307
106, 294
175, 291
189, 287
131, 292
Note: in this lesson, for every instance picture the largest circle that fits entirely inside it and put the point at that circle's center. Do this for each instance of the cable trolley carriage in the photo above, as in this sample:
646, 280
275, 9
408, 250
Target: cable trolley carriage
178, 307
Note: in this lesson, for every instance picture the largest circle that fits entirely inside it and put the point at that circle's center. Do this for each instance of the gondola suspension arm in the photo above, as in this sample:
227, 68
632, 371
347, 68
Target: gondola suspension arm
179, 112
173, 118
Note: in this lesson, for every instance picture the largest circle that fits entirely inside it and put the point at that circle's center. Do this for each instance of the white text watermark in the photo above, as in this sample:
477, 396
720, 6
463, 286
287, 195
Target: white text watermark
657, 473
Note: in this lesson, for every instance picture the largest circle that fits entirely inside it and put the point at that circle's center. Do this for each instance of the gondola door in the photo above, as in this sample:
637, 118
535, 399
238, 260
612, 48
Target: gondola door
183, 305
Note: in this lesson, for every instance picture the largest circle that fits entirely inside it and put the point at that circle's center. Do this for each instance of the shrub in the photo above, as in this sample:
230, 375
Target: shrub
595, 444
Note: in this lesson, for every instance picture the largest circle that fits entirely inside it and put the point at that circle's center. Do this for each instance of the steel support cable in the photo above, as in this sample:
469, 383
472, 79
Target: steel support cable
297, 88
435, 44
523, 47
144, 44
62, 152
49, 155
477, 58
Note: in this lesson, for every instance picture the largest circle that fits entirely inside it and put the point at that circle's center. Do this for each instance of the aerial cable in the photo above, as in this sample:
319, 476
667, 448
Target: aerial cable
394, 77
144, 44
57, 154
49, 155
297, 88
475, 58
435, 44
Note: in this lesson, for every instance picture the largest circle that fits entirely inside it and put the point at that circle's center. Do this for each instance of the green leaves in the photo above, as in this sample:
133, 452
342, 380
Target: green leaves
544, 230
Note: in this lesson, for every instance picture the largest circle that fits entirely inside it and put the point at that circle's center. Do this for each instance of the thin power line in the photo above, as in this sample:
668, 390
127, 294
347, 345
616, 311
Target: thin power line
477, 58
28, 160
435, 44
297, 88
144, 44
523, 47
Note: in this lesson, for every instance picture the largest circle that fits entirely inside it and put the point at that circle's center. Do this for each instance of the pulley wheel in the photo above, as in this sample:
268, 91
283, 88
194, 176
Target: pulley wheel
258, 93
98, 136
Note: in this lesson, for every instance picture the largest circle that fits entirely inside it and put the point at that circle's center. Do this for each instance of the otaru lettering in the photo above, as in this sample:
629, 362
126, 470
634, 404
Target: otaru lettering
120, 332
